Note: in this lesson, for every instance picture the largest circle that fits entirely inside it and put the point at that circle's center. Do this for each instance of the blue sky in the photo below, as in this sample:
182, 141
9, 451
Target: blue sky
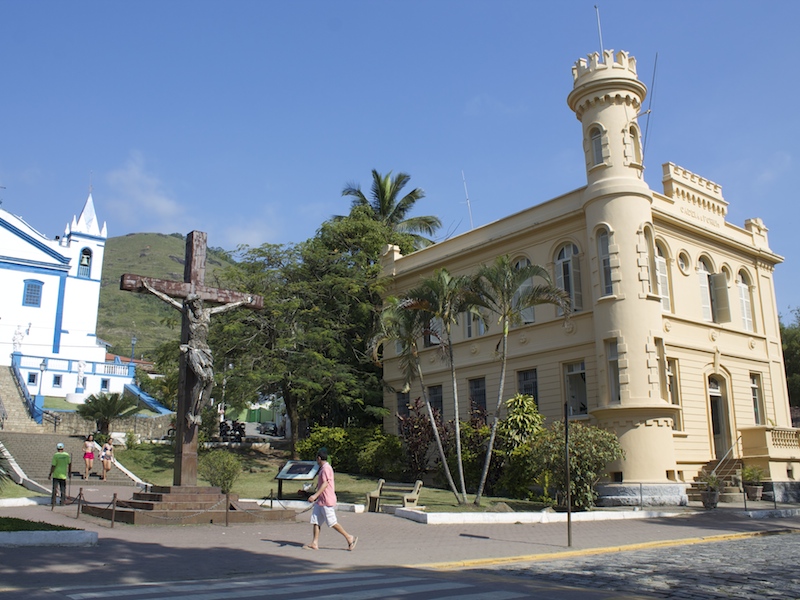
246, 119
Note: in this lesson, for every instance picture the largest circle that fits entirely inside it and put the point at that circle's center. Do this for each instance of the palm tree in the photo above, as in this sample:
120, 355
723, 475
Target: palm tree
391, 210
104, 408
444, 297
406, 327
508, 290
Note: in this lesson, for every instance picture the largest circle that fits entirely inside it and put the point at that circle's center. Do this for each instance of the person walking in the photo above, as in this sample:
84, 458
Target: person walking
60, 469
324, 500
107, 457
88, 455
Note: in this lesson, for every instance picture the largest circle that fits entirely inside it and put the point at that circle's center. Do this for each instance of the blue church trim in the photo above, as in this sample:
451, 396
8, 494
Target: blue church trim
62, 286
34, 242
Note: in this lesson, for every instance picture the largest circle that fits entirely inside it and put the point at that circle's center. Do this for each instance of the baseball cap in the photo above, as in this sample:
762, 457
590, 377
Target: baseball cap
59, 446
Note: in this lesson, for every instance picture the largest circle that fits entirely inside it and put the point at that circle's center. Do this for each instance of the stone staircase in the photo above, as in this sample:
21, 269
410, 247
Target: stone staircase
33, 452
728, 472
17, 416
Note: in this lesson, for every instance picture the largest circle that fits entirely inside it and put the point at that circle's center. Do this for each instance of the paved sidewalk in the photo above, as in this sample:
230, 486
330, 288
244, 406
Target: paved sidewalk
129, 554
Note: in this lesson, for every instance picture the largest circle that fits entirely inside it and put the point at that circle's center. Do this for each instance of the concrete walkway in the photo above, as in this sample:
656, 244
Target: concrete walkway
129, 554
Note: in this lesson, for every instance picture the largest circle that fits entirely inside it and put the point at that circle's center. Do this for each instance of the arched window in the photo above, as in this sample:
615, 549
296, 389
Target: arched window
568, 275
85, 264
596, 137
745, 300
635, 145
526, 314
604, 262
662, 278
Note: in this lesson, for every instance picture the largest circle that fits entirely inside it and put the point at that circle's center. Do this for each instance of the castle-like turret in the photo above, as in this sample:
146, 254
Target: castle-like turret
607, 98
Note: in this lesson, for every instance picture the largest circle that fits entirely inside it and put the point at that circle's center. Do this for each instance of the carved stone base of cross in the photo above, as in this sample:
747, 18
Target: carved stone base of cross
196, 377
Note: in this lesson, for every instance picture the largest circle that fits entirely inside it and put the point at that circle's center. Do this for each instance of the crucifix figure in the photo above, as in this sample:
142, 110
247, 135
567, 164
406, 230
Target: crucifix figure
196, 378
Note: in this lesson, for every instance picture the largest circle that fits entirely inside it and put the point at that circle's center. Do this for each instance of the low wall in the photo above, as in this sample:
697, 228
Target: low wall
145, 427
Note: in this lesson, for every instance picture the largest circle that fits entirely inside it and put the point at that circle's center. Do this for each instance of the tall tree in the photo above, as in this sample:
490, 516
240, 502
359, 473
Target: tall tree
406, 327
390, 209
444, 297
310, 342
507, 290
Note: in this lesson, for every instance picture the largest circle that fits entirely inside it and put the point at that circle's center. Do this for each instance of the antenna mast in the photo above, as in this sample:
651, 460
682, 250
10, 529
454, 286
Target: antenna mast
466, 193
649, 107
599, 30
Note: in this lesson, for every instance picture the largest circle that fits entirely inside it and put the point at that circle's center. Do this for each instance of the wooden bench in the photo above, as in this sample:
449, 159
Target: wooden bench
407, 493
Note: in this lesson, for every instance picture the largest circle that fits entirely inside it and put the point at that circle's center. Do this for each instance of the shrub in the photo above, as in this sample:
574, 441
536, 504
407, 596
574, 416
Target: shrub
418, 441
590, 450
220, 468
131, 439
335, 439
382, 456
523, 421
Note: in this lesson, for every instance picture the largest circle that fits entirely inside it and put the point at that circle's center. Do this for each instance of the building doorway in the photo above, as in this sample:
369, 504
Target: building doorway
719, 417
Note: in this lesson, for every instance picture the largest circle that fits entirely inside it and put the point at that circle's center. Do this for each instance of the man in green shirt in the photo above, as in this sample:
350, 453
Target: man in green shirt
60, 469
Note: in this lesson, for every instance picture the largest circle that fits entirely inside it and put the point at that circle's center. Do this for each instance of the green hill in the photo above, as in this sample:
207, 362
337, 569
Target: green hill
125, 314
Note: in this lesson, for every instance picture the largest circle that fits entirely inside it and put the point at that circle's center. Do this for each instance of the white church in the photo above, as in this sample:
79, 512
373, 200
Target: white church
48, 311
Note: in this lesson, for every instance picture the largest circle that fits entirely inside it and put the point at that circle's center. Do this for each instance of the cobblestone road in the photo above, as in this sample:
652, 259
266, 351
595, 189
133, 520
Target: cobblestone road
761, 567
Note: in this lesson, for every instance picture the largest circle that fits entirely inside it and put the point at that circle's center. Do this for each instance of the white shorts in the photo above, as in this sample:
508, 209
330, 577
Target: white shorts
323, 514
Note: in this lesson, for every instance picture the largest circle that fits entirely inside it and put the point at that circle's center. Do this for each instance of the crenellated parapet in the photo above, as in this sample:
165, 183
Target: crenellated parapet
613, 65
610, 81
701, 193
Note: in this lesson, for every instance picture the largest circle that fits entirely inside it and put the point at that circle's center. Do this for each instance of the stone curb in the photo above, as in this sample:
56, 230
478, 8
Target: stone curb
48, 538
530, 517
488, 562
33, 501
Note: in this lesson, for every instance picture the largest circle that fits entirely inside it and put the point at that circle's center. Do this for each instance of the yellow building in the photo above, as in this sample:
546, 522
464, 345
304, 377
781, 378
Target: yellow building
674, 341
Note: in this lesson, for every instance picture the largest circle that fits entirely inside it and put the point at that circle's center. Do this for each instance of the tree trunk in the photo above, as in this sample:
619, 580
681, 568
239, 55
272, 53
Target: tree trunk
436, 435
457, 422
496, 417
290, 400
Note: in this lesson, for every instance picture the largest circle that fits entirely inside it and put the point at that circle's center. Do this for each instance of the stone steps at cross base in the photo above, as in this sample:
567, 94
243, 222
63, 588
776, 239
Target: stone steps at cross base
33, 452
17, 416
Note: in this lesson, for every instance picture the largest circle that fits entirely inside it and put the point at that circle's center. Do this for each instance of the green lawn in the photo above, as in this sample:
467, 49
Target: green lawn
53, 403
12, 490
154, 464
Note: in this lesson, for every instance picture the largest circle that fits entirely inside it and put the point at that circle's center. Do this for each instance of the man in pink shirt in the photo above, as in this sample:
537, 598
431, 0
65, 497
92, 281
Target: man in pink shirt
325, 504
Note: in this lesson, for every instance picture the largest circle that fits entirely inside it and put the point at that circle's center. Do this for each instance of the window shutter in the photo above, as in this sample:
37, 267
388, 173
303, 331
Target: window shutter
663, 283
577, 297
745, 306
705, 295
719, 294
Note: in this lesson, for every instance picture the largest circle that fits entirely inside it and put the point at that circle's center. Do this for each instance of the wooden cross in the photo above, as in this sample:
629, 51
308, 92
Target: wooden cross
196, 377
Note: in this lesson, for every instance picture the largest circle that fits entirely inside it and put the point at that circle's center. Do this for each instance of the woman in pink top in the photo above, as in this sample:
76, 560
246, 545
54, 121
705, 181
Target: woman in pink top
325, 503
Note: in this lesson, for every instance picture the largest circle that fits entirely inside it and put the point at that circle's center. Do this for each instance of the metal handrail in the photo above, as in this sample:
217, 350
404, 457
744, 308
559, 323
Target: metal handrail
53, 418
33, 410
727, 457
